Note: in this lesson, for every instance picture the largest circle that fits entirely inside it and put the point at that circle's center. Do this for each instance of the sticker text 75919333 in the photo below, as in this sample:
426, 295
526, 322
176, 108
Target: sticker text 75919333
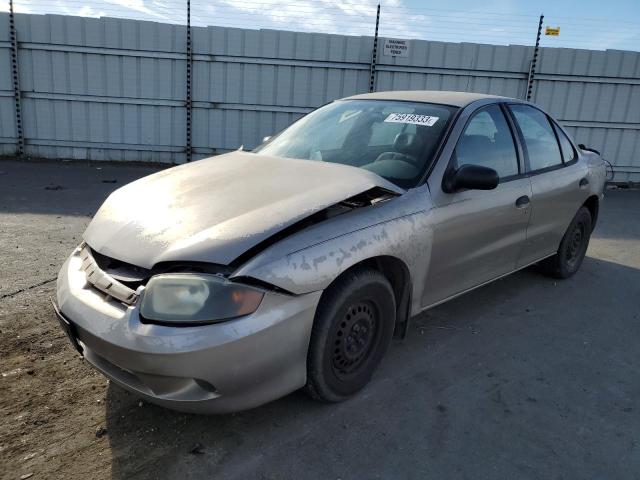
426, 120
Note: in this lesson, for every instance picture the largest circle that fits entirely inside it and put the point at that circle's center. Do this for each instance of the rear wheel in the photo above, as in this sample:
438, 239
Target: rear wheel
572, 249
351, 333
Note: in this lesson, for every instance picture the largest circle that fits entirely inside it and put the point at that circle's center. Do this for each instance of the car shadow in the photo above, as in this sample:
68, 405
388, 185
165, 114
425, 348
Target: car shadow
151, 442
502, 377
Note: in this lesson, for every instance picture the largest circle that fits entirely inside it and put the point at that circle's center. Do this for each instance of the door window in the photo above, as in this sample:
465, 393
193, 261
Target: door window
487, 141
539, 139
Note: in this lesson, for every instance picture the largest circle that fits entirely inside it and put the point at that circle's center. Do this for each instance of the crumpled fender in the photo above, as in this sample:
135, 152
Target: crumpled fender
399, 228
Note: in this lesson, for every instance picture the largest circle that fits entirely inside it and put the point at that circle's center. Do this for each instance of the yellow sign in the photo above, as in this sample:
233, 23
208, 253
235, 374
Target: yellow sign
553, 31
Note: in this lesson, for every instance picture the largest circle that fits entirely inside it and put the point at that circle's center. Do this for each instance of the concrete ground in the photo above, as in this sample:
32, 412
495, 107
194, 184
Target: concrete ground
527, 378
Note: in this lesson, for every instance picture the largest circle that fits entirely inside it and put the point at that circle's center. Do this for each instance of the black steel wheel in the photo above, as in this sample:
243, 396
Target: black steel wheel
352, 330
576, 244
353, 338
573, 247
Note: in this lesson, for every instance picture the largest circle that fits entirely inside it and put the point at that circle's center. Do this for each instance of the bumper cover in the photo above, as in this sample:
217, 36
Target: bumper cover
224, 367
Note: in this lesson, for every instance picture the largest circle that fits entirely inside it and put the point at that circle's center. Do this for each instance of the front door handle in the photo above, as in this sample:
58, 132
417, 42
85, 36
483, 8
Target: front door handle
523, 201
583, 183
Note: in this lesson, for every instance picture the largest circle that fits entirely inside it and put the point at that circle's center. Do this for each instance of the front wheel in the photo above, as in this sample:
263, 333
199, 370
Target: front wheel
573, 247
351, 332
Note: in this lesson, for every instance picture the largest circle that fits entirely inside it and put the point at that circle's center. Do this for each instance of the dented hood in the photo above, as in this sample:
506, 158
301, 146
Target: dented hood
214, 210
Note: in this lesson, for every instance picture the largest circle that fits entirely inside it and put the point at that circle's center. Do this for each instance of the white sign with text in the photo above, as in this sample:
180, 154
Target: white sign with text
395, 47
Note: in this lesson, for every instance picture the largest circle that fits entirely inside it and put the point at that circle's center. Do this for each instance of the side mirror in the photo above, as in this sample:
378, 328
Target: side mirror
470, 177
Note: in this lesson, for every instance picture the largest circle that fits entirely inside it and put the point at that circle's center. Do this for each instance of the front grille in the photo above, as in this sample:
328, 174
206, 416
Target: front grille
130, 275
103, 281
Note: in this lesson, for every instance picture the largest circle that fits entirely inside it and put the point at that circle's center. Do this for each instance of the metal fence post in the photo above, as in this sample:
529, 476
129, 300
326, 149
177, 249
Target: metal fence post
532, 66
17, 96
374, 54
189, 93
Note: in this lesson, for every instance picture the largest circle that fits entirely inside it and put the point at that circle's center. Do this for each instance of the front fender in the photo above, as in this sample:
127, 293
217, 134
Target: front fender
313, 268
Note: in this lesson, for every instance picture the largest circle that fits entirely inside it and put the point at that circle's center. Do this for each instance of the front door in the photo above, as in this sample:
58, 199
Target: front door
478, 235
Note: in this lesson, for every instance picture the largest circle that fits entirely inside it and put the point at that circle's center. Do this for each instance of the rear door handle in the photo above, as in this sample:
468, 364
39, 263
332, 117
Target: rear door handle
522, 201
584, 182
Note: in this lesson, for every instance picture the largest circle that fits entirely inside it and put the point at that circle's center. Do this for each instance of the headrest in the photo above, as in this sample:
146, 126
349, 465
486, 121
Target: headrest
407, 143
474, 148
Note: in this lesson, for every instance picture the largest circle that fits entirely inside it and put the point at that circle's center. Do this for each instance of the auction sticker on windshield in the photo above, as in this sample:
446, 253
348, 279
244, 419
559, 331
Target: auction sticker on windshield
426, 120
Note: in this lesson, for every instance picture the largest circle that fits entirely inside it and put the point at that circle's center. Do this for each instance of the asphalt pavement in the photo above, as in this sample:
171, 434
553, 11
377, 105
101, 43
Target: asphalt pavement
526, 378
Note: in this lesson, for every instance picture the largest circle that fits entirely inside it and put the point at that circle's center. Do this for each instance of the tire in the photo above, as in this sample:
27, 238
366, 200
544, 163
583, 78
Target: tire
352, 330
573, 247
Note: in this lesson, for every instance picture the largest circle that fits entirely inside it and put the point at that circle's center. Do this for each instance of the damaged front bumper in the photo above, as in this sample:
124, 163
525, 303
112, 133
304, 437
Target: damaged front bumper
228, 366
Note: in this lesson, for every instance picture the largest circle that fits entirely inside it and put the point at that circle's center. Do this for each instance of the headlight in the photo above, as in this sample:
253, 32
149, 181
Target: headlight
196, 298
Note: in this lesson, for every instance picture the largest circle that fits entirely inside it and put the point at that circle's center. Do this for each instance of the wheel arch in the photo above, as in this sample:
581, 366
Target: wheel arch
593, 205
397, 273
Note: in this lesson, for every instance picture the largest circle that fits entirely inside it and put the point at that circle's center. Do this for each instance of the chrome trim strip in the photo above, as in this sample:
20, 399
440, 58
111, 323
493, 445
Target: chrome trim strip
103, 281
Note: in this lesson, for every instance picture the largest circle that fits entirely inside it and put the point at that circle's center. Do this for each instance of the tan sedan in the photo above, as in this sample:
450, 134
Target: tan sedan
229, 282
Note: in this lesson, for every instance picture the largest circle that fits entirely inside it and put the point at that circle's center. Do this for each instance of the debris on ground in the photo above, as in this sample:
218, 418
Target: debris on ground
197, 449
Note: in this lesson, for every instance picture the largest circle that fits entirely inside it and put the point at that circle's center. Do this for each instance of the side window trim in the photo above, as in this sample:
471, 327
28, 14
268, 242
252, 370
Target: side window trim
522, 169
558, 129
555, 134
516, 143
528, 170
521, 142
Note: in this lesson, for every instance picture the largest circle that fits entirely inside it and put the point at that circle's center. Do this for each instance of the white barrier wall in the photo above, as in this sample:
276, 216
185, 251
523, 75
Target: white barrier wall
112, 89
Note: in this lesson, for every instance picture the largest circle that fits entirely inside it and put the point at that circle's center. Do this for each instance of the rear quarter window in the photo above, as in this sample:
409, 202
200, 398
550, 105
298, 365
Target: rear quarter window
568, 152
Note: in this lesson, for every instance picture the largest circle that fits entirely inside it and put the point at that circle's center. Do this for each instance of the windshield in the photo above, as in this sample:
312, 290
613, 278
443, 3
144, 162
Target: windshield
396, 140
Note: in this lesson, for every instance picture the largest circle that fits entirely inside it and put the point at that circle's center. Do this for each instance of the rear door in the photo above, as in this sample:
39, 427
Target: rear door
557, 181
478, 235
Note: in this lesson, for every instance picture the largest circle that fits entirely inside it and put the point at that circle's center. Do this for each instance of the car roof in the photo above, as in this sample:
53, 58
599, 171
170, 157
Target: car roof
456, 99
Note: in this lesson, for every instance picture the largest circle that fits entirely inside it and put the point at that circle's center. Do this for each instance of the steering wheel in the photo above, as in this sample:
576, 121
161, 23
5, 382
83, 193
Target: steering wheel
398, 156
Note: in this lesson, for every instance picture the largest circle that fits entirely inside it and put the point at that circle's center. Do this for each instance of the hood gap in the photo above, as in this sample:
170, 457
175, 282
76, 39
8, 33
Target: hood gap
367, 198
